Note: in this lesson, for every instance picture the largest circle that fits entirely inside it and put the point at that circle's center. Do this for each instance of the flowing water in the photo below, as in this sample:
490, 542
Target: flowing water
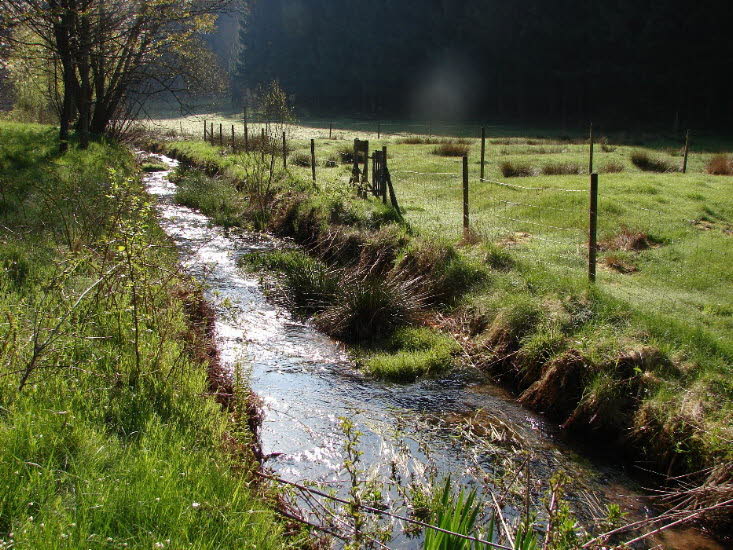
456, 425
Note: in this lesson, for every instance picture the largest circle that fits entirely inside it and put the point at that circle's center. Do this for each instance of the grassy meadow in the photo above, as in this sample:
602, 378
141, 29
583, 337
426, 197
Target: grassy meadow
657, 326
107, 436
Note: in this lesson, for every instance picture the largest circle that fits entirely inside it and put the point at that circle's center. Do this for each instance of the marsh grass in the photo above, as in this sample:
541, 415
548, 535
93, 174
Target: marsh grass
451, 150
412, 352
720, 165
649, 163
106, 438
214, 196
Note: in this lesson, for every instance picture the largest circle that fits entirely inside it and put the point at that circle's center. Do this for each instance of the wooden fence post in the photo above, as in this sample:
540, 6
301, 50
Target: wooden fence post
388, 181
383, 174
204, 130
590, 164
285, 153
687, 151
379, 130
483, 151
365, 177
465, 195
246, 130
330, 130
593, 228
221, 135
313, 160
234, 148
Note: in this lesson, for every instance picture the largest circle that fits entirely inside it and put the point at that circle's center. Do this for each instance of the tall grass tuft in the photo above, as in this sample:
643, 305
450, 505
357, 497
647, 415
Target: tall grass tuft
511, 169
367, 309
457, 514
648, 163
720, 165
451, 150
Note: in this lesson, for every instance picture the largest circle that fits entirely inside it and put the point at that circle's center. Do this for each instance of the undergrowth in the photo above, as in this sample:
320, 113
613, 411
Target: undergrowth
106, 438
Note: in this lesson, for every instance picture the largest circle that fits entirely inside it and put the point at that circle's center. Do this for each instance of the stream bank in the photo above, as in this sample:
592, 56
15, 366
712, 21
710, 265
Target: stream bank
455, 424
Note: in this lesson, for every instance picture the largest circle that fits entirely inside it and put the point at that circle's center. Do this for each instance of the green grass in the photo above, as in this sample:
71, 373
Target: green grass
215, 197
103, 446
412, 352
527, 248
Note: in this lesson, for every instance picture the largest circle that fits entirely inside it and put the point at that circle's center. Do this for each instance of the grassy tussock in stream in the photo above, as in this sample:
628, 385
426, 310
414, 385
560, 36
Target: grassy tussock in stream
656, 386
106, 438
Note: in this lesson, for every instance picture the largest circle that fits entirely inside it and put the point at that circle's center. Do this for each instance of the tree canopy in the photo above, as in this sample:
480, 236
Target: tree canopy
620, 60
102, 56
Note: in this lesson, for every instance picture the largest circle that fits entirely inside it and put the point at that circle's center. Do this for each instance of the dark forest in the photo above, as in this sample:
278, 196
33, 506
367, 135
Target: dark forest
665, 64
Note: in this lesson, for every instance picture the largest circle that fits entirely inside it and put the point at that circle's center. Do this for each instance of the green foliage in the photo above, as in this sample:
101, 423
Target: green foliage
311, 284
214, 196
458, 514
105, 438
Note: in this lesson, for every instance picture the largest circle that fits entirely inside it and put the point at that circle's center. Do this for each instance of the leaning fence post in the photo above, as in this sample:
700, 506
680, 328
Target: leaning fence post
593, 228
465, 195
285, 153
687, 151
388, 181
483, 151
313, 159
590, 165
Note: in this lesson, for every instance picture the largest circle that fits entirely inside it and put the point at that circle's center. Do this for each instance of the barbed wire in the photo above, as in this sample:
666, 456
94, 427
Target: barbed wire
517, 186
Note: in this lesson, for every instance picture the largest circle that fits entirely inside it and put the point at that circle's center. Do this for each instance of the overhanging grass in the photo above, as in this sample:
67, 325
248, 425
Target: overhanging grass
103, 446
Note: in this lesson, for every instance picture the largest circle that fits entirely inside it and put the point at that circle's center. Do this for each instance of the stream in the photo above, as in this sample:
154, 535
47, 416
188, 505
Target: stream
457, 425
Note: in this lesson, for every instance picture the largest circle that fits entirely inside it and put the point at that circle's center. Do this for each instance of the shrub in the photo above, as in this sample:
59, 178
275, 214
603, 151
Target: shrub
561, 168
510, 169
647, 163
451, 150
720, 165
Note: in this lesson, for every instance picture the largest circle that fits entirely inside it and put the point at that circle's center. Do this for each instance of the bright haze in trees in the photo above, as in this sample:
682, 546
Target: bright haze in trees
105, 57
